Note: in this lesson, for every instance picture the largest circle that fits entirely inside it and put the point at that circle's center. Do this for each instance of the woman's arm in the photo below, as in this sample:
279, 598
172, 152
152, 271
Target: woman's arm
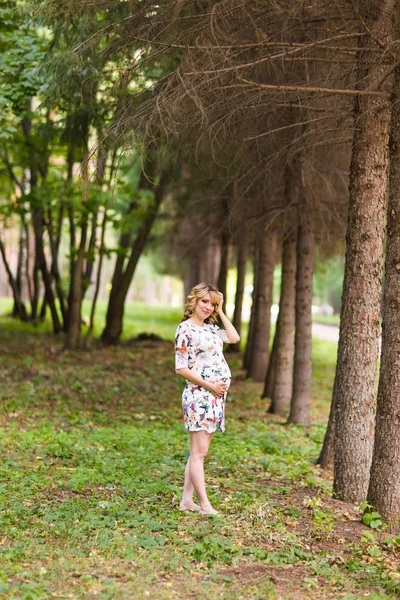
218, 388
231, 332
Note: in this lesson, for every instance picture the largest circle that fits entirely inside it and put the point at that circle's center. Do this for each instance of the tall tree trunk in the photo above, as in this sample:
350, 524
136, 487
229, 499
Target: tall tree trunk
43, 308
88, 339
270, 377
241, 262
302, 368
224, 264
19, 306
355, 385
115, 311
54, 242
191, 276
36, 290
26, 266
250, 334
384, 489
209, 265
282, 391
326, 456
100, 172
87, 275
18, 279
72, 230
258, 363
26, 126
76, 288
42, 266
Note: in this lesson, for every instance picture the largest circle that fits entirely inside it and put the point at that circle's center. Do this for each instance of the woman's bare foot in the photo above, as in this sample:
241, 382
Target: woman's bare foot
207, 509
190, 505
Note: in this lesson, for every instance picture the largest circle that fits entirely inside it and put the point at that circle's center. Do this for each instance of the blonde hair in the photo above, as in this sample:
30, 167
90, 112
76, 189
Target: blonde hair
200, 291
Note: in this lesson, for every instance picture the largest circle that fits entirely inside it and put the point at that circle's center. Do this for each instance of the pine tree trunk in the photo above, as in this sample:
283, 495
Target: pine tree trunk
224, 264
19, 306
36, 290
191, 276
55, 272
384, 489
355, 385
270, 377
42, 266
258, 363
75, 306
241, 261
18, 278
89, 336
76, 287
87, 275
302, 368
43, 308
26, 266
72, 231
282, 390
208, 265
326, 456
250, 334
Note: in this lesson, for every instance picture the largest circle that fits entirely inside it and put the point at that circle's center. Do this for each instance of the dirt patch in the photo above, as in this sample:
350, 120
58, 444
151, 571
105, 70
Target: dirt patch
288, 580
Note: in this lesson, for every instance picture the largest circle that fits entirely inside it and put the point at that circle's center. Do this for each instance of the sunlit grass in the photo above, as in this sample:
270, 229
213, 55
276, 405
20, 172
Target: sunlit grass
93, 453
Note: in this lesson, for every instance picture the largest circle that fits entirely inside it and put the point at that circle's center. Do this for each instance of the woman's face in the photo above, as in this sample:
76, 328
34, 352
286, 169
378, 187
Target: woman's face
204, 307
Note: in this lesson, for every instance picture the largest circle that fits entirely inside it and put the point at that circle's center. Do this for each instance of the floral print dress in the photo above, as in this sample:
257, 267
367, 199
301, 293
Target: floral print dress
199, 348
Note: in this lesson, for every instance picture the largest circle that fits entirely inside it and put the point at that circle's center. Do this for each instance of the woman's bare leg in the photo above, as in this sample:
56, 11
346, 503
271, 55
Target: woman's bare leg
199, 445
187, 502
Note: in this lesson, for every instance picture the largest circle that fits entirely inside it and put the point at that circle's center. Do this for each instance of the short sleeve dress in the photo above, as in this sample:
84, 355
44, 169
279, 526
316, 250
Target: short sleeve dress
200, 349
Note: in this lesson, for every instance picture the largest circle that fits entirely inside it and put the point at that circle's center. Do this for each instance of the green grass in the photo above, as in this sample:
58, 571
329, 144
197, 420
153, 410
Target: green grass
139, 317
93, 453
327, 319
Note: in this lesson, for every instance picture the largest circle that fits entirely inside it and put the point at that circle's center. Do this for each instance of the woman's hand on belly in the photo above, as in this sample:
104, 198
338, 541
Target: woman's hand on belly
217, 388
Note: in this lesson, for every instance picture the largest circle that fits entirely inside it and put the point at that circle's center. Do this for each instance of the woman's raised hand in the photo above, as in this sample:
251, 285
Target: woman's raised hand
220, 305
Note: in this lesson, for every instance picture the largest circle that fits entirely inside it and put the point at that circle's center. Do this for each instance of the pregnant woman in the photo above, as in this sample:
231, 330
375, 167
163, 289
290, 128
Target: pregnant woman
200, 361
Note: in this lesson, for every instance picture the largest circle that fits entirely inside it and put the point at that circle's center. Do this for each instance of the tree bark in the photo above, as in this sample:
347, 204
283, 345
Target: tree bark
224, 263
326, 456
18, 280
75, 306
36, 290
250, 334
384, 490
26, 266
355, 381
302, 368
282, 390
72, 231
54, 242
43, 308
87, 275
88, 339
191, 276
241, 262
19, 306
76, 288
42, 266
115, 311
270, 377
258, 362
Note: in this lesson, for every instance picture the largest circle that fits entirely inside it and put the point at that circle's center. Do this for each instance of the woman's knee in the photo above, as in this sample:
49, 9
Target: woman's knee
200, 451
200, 443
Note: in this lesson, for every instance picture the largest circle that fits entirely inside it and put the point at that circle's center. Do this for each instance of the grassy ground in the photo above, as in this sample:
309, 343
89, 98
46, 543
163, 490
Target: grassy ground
327, 319
93, 455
